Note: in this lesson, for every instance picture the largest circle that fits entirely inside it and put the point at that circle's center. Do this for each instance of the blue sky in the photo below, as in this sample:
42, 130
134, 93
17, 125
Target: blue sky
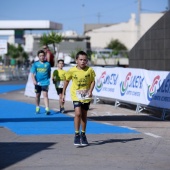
74, 13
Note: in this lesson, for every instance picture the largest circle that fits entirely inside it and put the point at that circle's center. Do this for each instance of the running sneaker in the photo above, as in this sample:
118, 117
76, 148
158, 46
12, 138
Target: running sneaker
47, 111
62, 110
37, 110
77, 140
83, 140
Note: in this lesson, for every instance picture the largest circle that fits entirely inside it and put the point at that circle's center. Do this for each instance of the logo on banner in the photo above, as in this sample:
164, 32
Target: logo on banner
99, 83
152, 88
134, 83
124, 85
106, 82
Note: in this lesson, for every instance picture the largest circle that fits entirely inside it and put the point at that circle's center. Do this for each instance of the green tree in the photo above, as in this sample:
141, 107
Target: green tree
13, 51
51, 38
116, 46
44, 40
17, 53
1, 59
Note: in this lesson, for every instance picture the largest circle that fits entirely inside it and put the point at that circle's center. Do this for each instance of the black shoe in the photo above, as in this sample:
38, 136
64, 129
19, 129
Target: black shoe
47, 111
62, 110
83, 140
77, 140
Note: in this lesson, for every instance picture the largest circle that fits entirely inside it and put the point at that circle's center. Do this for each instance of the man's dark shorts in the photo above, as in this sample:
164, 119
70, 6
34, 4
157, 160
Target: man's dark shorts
38, 88
84, 106
59, 90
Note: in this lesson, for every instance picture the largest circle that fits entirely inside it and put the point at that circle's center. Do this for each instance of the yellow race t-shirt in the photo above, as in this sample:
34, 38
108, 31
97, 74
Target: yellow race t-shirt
81, 82
59, 77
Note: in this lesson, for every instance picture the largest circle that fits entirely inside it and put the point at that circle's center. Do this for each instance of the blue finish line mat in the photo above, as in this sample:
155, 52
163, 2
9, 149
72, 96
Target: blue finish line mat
8, 88
20, 118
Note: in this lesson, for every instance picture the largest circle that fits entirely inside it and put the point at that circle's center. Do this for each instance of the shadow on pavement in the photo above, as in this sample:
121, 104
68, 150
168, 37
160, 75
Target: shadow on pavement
101, 142
11, 153
68, 111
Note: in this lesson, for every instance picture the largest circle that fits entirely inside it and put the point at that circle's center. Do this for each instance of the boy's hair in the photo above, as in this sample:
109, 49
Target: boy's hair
40, 51
60, 60
80, 53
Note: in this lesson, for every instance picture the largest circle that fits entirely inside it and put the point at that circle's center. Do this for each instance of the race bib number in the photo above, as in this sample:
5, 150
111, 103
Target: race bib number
82, 94
60, 84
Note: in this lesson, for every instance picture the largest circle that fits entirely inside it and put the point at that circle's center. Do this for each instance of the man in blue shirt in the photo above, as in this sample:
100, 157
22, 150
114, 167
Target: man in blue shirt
41, 73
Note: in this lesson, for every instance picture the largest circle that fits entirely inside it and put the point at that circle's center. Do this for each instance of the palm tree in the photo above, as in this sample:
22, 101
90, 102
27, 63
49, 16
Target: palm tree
44, 40
51, 38
17, 52
12, 54
55, 38
12, 51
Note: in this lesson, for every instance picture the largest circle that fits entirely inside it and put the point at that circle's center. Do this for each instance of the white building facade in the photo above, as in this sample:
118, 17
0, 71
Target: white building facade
127, 33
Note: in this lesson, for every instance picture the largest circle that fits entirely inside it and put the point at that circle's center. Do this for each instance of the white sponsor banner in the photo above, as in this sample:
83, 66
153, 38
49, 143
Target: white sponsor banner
131, 85
158, 89
106, 82
134, 86
126, 84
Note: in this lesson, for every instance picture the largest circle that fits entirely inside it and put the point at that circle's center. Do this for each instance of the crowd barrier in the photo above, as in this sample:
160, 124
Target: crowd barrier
13, 73
134, 86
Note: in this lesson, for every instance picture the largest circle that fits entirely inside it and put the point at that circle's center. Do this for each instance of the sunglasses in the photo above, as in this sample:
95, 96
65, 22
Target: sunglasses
45, 48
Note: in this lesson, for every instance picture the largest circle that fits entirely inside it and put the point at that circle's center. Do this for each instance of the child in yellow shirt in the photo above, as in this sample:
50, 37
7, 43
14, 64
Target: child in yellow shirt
83, 82
58, 78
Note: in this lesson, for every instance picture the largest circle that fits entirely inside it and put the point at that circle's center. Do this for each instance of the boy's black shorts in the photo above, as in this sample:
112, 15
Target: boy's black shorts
38, 88
59, 90
84, 106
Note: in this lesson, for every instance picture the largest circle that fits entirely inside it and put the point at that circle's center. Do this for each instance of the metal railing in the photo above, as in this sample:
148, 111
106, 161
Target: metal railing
9, 73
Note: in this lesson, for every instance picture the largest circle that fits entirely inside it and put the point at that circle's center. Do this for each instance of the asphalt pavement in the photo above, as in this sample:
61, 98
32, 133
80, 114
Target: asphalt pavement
119, 138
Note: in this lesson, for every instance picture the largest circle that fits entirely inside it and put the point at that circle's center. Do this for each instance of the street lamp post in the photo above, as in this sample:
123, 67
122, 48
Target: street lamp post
138, 19
83, 18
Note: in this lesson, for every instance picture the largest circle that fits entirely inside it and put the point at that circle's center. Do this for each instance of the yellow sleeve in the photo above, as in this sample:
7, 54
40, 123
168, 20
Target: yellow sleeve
65, 75
93, 75
68, 75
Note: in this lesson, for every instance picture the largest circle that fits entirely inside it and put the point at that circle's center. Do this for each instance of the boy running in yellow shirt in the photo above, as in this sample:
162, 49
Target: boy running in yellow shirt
58, 79
83, 82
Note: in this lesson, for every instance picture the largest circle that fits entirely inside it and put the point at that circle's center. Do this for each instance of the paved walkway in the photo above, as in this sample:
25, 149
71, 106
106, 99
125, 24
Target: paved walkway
119, 138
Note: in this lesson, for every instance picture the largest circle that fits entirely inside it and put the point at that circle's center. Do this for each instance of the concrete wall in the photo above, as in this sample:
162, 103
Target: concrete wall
69, 47
152, 51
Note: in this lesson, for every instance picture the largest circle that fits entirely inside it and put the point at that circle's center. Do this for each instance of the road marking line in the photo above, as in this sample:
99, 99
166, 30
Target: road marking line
151, 134
71, 114
107, 123
55, 109
128, 127
108, 113
93, 113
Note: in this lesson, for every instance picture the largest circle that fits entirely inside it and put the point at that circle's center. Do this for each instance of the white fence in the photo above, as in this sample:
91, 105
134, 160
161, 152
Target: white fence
137, 86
